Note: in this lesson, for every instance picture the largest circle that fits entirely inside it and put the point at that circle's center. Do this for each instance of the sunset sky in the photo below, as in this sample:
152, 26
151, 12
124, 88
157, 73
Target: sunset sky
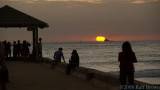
83, 20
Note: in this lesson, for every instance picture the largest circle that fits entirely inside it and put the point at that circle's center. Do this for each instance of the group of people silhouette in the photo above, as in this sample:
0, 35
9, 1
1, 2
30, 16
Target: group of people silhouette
19, 48
126, 58
73, 61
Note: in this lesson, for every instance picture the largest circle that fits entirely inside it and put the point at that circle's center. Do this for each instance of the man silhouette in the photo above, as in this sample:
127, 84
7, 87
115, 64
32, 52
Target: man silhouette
58, 55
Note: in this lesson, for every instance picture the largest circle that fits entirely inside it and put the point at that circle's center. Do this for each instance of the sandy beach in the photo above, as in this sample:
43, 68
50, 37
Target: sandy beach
40, 76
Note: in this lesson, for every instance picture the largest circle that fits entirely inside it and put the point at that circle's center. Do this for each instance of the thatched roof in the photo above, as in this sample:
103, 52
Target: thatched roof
10, 17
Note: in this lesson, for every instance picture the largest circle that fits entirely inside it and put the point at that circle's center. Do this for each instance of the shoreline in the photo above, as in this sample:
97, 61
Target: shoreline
98, 72
89, 73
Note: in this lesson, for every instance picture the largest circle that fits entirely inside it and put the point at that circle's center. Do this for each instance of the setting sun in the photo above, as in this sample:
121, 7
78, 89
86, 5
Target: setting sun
100, 38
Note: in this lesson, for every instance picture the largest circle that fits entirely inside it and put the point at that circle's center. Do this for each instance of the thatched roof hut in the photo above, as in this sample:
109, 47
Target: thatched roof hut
11, 18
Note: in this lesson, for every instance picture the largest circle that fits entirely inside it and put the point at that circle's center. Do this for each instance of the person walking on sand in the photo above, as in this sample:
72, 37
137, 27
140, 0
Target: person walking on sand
58, 55
127, 58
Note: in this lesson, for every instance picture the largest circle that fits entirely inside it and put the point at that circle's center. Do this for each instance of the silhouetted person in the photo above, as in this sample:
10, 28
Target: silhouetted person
3, 68
8, 47
19, 48
4, 77
27, 49
15, 49
23, 48
73, 62
40, 47
2, 51
5, 48
127, 58
58, 55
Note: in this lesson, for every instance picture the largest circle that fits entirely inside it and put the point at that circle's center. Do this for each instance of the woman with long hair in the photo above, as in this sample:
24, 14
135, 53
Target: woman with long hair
127, 58
73, 62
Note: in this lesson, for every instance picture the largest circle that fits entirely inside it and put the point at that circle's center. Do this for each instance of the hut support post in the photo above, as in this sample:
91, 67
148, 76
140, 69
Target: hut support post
35, 43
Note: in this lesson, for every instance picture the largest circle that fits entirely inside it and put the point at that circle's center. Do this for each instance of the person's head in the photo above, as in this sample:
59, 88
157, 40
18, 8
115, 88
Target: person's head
14, 42
40, 39
24, 41
18, 41
126, 47
28, 43
8, 42
4, 42
60, 49
74, 51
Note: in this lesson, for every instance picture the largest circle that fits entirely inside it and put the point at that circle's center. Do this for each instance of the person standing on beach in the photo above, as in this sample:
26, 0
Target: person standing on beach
127, 58
2, 51
73, 62
15, 49
3, 68
40, 48
8, 49
5, 48
4, 77
19, 48
58, 55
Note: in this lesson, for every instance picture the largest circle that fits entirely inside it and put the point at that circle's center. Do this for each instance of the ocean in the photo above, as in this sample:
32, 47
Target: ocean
104, 56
